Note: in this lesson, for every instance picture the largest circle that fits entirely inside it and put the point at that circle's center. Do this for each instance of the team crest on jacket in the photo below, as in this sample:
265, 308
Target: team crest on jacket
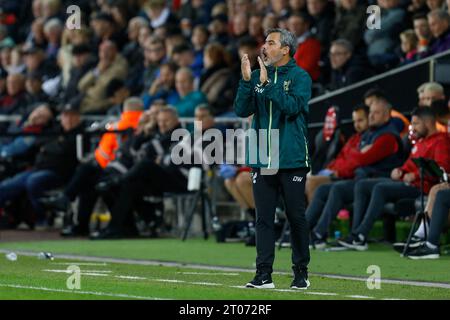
286, 85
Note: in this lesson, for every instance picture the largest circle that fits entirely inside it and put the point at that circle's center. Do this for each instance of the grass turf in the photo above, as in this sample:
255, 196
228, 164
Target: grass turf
158, 282
198, 251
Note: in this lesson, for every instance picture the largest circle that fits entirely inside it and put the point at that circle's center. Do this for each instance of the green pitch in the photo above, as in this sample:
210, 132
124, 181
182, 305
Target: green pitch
193, 278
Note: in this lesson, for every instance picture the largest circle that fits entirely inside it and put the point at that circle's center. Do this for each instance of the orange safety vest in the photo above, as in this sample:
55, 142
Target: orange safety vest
396, 114
110, 142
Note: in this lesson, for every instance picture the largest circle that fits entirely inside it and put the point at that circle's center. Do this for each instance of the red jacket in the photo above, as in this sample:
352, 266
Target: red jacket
341, 164
307, 57
435, 147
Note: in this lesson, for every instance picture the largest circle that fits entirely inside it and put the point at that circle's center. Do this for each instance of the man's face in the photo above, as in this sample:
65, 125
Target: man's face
33, 60
166, 121
40, 116
271, 51
349, 4
183, 83
144, 33
14, 84
437, 26
100, 27
255, 26
183, 59
297, 26
339, 56
360, 121
379, 114
240, 24
421, 28
167, 76
419, 127
33, 85
154, 52
315, 7
429, 96
80, 60
369, 100
107, 51
205, 118
69, 120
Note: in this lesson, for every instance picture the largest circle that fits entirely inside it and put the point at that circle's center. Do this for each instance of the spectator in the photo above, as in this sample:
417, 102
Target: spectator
53, 30
189, 98
196, 11
217, 80
88, 174
439, 21
15, 99
307, 54
3, 76
54, 164
346, 67
372, 194
255, 28
35, 62
438, 211
442, 112
117, 93
111, 65
5, 40
153, 175
82, 62
218, 29
105, 28
398, 119
199, 39
36, 36
350, 22
379, 152
154, 55
322, 12
417, 7
38, 121
163, 87
240, 24
435, 4
248, 46
422, 31
409, 44
432, 91
33, 85
184, 56
380, 42
157, 12
337, 169
297, 6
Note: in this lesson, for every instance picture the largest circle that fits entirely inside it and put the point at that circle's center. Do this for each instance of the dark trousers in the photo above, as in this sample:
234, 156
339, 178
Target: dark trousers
328, 200
34, 182
370, 197
440, 216
290, 183
82, 185
144, 178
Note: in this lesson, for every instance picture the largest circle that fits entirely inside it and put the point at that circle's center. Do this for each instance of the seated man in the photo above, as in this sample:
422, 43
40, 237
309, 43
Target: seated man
154, 174
338, 169
54, 164
440, 214
88, 174
372, 194
378, 153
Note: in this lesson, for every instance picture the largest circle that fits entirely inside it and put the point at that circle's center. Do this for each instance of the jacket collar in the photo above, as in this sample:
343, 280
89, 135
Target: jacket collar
284, 68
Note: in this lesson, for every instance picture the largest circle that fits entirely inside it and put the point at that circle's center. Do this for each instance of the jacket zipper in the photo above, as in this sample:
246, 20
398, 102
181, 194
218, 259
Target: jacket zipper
270, 121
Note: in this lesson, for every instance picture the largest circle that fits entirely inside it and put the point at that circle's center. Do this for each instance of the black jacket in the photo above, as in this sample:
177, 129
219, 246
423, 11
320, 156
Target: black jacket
59, 155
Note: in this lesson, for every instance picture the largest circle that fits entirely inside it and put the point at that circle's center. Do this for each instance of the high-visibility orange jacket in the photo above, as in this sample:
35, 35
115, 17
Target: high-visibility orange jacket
110, 142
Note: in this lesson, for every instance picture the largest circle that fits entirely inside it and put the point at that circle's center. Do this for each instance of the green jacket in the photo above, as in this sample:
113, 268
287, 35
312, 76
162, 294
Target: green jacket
282, 104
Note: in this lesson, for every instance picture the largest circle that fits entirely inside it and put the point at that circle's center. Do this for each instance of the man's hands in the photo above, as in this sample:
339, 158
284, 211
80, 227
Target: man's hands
396, 174
263, 71
409, 177
245, 68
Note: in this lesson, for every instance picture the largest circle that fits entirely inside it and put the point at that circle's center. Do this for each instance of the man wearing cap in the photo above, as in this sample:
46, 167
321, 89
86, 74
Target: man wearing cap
54, 164
35, 62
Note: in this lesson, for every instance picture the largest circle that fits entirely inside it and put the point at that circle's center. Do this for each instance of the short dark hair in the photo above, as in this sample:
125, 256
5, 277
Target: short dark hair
375, 91
419, 16
304, 16
362, 107
423, 112
247, 41
182, 48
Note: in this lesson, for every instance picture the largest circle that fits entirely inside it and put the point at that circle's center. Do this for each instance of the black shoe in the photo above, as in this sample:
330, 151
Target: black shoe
106, 234
74, 231
414, 243
261, 281
300, 281
356, 242
317, 241
424, 252
106, 185
58, 202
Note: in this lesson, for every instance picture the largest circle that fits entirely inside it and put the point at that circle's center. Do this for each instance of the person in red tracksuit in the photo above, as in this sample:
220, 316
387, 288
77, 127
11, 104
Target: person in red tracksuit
341, 167
372, 194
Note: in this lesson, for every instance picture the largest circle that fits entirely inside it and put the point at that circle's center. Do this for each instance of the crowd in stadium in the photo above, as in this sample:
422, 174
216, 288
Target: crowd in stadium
151, 62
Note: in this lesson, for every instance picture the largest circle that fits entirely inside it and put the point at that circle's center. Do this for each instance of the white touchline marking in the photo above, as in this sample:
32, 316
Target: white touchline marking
320, 293
359, 297
81, 273
130, 277
206, 283
94, 293
80, 263
211, 273
168, 280
64, 270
